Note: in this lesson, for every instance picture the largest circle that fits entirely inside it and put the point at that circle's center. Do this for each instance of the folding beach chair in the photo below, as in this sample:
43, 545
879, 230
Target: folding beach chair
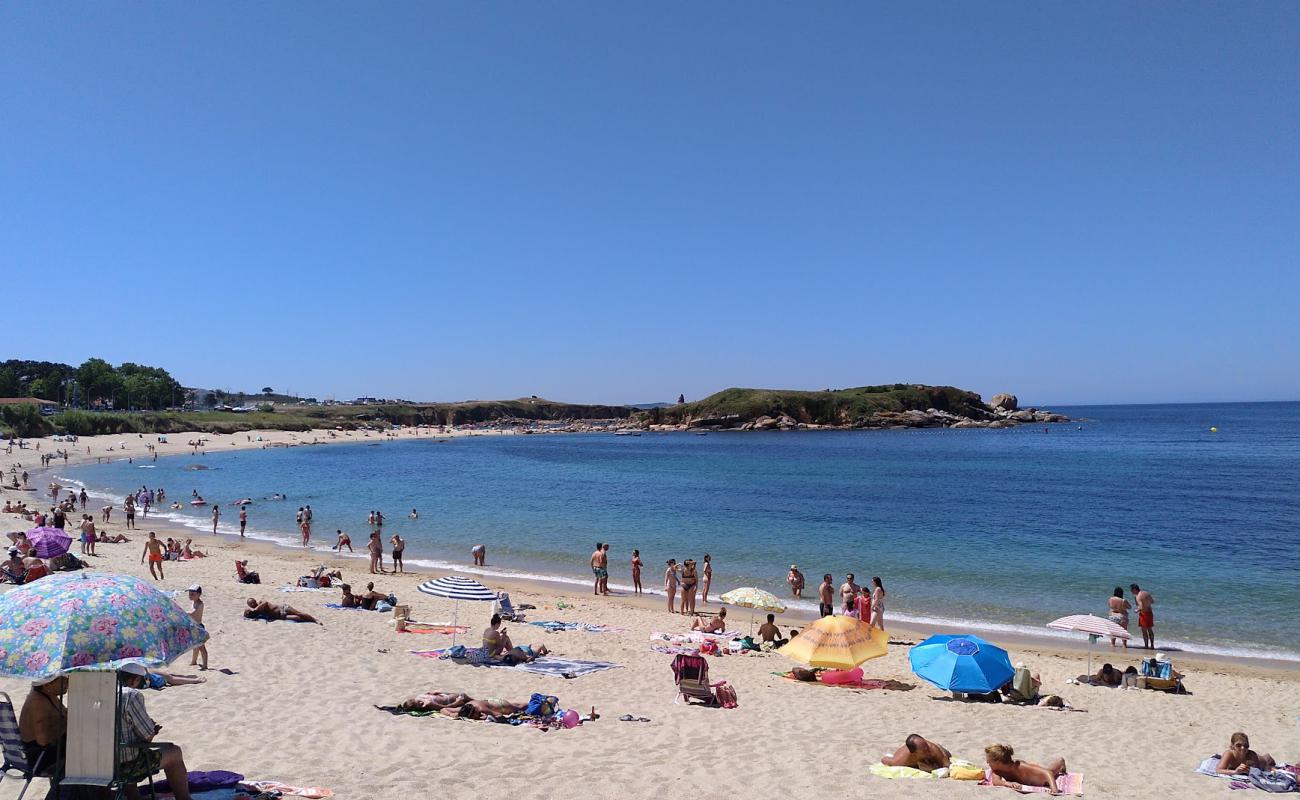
95, 746
506, 609
14, 758
691, 674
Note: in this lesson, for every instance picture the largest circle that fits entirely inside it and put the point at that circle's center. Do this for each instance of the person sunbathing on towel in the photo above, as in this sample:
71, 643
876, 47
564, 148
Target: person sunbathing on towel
919, 753
1239, 758
716, 625
498, 645
459, 704
1107, 676
270, 612
1005, 770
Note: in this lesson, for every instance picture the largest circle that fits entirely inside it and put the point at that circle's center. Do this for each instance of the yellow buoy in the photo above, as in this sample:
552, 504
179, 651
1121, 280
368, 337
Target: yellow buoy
1214, 430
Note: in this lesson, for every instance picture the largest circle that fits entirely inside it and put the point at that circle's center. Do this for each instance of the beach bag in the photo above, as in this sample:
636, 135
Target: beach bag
542, 705
456, 651
1275, 781
725, 695
965, 772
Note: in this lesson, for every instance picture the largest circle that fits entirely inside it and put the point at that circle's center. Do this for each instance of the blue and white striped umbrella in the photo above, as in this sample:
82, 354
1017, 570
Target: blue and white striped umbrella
454, 587
457, 588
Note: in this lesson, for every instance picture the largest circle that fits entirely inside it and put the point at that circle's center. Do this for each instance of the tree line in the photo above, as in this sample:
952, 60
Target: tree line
94, 384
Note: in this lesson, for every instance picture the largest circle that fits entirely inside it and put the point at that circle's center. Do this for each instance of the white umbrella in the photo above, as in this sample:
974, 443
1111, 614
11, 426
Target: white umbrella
456, 588
1093, 626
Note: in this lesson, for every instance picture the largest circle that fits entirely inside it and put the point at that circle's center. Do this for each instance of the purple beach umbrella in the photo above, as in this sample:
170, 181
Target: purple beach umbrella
48, 542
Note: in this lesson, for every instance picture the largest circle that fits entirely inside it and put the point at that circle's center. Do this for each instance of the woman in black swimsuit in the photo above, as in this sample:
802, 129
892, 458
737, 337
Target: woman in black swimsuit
43, 725
689, 579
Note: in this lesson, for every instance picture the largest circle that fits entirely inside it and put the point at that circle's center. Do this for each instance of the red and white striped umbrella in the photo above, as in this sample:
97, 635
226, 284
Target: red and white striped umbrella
1093, 626
1087, 623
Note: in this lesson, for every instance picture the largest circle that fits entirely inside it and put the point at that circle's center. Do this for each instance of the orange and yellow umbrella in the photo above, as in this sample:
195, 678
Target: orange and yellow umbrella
836, 643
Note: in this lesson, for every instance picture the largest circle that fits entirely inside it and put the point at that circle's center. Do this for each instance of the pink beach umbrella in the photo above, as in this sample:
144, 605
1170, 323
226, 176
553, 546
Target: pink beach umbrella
1095, 627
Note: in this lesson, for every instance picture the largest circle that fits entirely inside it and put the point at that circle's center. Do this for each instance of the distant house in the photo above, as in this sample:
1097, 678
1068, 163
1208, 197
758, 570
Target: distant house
44, 406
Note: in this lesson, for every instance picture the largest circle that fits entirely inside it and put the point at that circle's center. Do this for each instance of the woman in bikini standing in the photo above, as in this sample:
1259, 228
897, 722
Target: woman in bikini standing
689, 580
636, 571
877, 604
705, 579
670, 584
1119, 608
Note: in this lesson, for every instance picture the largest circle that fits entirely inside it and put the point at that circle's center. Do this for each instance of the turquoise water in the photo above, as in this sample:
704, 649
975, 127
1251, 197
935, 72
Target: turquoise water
1004, 530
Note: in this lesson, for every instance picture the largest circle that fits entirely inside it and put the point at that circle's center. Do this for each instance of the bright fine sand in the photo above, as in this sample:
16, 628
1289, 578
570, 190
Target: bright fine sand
295, 702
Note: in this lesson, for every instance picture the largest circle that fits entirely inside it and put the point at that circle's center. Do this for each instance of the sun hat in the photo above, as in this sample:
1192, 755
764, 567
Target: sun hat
794, 566
1162, 658
134, 669
195, 588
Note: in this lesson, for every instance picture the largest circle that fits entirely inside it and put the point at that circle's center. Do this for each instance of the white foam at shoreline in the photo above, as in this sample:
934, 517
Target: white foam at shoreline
953, 624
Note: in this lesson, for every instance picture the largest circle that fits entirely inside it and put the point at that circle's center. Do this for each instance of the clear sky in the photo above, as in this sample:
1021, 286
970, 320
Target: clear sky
618, 202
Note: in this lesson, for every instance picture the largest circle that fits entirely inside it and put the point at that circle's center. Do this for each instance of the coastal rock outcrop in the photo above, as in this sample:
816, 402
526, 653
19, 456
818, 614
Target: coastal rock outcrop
1004, 402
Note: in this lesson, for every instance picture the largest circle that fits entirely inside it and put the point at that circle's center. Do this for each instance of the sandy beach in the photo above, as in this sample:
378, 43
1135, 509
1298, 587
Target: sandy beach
295, 702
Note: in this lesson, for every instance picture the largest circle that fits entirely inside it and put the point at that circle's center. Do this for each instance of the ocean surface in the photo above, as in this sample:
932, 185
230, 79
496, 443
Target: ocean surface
1000, 530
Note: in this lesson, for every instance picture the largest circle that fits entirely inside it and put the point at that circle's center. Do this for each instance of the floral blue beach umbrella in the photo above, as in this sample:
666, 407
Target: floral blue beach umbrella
97, 621
961, 663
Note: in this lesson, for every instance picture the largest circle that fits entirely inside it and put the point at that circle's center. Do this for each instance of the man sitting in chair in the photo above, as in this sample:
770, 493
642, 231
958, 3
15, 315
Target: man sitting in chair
138, 729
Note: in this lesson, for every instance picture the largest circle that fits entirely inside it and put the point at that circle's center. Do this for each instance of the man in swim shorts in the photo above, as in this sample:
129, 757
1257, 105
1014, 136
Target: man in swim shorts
599, 567
826, 596
154, 550
1146, 617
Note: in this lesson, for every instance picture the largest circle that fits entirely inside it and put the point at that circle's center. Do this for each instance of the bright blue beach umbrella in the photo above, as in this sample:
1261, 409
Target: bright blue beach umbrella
90, 620
961, 663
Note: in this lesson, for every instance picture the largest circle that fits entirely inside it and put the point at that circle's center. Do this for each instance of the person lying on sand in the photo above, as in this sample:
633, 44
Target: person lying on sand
1239, 758
461, 705
270, 611
1007, 771
104, 538
716, 625
919, 753
497, 642
157, 680
1106, 676
189, 552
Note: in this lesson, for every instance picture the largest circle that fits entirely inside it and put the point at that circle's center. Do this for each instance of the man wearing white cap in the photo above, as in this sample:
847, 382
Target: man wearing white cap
138, 728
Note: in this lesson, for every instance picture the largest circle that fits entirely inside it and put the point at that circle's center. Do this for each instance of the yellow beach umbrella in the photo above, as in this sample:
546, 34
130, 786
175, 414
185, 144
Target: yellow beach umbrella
836, 643
752, 598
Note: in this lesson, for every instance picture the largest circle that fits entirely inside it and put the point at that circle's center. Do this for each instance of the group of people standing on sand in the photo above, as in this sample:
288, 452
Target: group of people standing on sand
688, 576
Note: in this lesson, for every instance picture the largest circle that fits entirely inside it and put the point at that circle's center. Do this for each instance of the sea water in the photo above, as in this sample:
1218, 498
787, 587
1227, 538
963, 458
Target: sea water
970, 529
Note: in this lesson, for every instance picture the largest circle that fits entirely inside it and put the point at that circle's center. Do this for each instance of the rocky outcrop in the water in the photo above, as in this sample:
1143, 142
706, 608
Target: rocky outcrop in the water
877, 407
1004, 402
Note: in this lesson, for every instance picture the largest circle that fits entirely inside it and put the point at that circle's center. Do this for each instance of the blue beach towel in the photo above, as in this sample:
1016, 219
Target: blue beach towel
565, 667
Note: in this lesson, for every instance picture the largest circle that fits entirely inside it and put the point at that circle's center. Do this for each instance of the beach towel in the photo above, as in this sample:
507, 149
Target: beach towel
546, 665
894, 773
556, 626
865, 684
312, 792
565, 667
675, 649
1069, 783
204, 781
345, 608
447, 630
288, 589
476, 656
1208, 767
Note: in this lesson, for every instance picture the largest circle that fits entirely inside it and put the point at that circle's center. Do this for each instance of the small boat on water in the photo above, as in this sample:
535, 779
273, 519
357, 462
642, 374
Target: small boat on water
627, 433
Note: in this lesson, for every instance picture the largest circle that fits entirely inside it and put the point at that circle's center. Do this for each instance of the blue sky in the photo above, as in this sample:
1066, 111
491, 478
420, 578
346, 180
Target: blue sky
620, 202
